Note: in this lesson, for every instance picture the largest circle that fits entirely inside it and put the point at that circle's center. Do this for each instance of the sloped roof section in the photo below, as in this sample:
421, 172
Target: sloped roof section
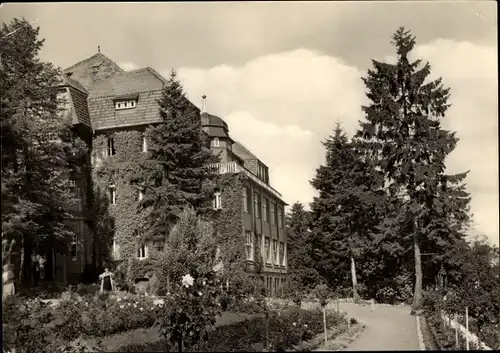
127, 83
94, 69
68, 81
76, 96
80, 108
242, 152
104, 116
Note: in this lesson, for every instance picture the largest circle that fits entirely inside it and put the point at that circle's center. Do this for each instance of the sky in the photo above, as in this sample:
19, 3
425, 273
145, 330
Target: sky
281, 73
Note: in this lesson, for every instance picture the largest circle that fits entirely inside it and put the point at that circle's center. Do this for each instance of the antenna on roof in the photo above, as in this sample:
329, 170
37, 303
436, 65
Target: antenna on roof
98, 48
204, 106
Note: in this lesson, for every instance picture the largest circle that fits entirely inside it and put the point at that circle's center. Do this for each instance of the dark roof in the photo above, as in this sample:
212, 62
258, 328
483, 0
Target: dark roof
127, 83
68, 81
215, 126
77, 100
242, 152
213, 120
94, 69
104, 116
217, 132
80, 108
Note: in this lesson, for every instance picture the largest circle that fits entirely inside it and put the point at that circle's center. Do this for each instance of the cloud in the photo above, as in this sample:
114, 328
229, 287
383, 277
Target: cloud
128, 66
281, 106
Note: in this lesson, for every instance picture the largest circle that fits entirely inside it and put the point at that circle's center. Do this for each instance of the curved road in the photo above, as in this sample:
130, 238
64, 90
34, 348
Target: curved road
387, 328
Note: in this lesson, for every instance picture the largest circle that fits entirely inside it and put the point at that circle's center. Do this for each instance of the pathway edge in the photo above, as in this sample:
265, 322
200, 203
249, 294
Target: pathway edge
420, 337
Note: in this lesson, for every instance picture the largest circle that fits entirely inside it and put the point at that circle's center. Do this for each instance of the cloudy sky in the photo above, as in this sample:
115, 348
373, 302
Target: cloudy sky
281, 74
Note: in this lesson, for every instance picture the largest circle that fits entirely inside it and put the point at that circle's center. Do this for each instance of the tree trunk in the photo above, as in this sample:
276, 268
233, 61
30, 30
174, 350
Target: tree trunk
417, 295
168, 284
26, 269
354, 281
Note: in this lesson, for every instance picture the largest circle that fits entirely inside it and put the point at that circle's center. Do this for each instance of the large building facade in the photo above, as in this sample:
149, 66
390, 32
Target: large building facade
120, 105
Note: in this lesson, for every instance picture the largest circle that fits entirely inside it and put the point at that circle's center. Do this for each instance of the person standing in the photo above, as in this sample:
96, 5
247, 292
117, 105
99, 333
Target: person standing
36, 269
8, 287
42, 263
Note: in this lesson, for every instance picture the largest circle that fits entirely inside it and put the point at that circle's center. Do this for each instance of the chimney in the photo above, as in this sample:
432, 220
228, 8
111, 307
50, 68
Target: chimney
204, 104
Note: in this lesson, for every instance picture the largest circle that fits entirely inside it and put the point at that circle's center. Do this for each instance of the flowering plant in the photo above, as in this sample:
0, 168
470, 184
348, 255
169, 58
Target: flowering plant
193, 311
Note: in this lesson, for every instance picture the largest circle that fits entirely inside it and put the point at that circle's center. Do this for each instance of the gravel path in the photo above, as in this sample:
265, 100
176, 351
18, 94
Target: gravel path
387, 328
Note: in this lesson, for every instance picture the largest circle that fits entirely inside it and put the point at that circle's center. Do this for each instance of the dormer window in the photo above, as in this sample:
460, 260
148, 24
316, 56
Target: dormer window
125, 104
216, 142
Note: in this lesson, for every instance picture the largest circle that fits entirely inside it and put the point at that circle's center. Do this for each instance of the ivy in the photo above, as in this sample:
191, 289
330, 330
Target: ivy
122, 220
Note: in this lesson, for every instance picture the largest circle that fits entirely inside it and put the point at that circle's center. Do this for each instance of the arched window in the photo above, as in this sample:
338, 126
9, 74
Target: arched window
216, 142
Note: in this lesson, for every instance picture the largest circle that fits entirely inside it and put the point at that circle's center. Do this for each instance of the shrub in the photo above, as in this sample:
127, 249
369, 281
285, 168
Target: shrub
33, 326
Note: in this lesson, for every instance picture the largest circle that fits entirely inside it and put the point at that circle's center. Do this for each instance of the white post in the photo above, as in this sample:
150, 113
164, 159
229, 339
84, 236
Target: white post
456, 331
467, 328
324, 323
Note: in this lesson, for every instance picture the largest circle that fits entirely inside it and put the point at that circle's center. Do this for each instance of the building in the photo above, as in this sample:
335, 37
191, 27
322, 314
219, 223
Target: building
121, 105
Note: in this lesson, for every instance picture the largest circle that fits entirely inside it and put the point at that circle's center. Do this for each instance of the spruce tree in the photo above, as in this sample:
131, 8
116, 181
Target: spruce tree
346, 210
300, 262
175, 175
403, 134
39, 148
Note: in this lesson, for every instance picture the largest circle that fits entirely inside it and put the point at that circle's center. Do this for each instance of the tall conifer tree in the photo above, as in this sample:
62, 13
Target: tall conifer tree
175, 174
346, 210
403, 134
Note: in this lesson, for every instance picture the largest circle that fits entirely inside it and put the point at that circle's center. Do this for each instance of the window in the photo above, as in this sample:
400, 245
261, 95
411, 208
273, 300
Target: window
144, 144
273, 213
280, 218
258, 244
73, 248
125, 104
111, 147
246, 199
276, 285
265, 206
256, 203
116, 254
112, 195
249, 245
275, 252
142, 252
217, 201
282, 253
140, 195
267, 250
216, 142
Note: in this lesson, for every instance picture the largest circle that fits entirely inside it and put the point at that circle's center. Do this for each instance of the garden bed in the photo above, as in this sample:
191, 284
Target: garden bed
286, 330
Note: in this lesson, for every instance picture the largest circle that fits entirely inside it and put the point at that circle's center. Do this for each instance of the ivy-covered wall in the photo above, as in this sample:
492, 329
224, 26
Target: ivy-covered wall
117, 170
228, 222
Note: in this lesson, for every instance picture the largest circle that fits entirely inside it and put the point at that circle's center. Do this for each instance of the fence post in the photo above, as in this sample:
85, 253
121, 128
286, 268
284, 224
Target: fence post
456, 331
467, 327
324, 324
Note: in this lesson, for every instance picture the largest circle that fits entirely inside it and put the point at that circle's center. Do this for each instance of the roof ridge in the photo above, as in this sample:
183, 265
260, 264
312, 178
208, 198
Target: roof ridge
156, 74
89, 58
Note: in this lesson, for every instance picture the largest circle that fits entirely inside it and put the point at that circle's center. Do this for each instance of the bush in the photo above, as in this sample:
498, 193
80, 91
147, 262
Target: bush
31, 325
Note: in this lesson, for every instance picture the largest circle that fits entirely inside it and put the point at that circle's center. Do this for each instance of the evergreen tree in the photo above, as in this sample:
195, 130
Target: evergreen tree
175, 175
346, 210
300, 263
39, 148
403, 134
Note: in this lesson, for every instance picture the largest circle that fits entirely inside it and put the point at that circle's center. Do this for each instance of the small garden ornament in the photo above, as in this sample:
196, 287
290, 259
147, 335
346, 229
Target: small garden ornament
106, 280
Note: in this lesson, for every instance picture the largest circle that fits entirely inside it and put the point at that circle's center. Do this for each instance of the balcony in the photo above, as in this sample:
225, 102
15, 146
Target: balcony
234, 167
